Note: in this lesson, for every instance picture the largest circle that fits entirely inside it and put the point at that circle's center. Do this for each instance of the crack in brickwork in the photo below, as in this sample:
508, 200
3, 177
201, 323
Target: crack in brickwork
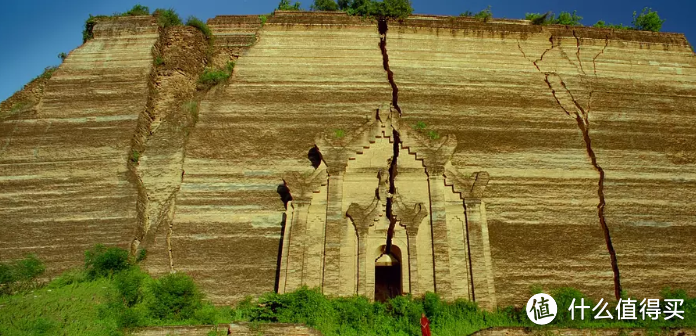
581, 117
382, 26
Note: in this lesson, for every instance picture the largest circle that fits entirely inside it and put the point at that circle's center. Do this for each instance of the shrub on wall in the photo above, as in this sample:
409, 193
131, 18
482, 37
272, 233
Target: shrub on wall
647, 20
202, 26
324, 5
286, 5
167, 17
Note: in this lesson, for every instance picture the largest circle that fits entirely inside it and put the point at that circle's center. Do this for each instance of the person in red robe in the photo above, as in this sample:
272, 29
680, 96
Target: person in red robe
425, 325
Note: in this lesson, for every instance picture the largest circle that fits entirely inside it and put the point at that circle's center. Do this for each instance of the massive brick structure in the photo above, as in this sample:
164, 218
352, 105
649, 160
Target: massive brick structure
430, 154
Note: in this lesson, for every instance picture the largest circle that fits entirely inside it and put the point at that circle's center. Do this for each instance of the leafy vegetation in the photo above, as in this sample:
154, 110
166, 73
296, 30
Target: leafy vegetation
263, 19
286, 5
62, 56
101, 261
647, 20
125, 298
135, 156
324, 5
159, 60
20, 274
339, 133
387, 9
564, 18
167, 17
202, 26
212, 77
81, 303
602, 24
137, 10
485, 15
87, 32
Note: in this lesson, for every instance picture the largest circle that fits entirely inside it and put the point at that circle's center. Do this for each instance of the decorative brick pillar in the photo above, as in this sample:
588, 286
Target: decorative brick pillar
363, 218
411, 219
480, 250
438, 219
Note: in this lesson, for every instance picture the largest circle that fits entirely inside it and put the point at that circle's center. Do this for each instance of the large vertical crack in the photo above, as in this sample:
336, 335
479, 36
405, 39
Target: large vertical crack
158, 146
382, 26
581, 116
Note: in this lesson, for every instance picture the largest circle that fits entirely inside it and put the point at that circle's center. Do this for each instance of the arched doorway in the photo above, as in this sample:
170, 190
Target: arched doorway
388, 275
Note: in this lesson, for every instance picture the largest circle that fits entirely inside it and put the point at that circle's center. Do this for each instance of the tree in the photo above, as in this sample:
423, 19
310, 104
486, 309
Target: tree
647, 20
285, 5
324, 5
343, 4
138, 10
396, 9
568, 19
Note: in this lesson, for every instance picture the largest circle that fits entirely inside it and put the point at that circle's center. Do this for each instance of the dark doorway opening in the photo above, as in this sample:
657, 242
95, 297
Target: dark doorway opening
387, 282
388, 275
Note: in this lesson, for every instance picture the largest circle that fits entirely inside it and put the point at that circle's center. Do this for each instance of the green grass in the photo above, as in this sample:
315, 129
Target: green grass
159, 60
202, 26
339, 133
52, 310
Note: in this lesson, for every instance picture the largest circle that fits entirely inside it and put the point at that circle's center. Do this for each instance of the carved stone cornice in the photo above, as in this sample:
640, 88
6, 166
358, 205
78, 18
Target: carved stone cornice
410, 217
364, 217
303, 184
435, 153
337, 150
468, 187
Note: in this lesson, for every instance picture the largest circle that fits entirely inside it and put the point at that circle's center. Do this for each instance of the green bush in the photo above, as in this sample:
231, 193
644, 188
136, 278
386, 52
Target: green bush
159, 60
174, 297
394, 9
565, 18
324, 5
568, 19
19, 274
142, 255
647, 20
538, 18
602, 24
202, 26
138, 10
101, 261
167, 17
420, 126
263, 19
212, 77
87, 32
285, 5
467, 14
62, 56
128, 283
485, 14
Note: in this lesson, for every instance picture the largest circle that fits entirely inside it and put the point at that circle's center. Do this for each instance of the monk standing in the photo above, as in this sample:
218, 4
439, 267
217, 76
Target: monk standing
425, 325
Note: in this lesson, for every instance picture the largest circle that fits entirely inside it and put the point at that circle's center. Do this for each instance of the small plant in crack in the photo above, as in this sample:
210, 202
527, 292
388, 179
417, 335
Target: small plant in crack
433, 135
339, 133
263, 19
159, 60
212, 77
135, 156
191, 107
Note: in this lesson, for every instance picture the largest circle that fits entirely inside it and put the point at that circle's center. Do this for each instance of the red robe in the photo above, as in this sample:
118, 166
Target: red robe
425, 326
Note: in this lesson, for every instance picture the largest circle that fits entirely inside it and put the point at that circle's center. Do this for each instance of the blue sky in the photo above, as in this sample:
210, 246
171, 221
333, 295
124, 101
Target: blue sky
33, 33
